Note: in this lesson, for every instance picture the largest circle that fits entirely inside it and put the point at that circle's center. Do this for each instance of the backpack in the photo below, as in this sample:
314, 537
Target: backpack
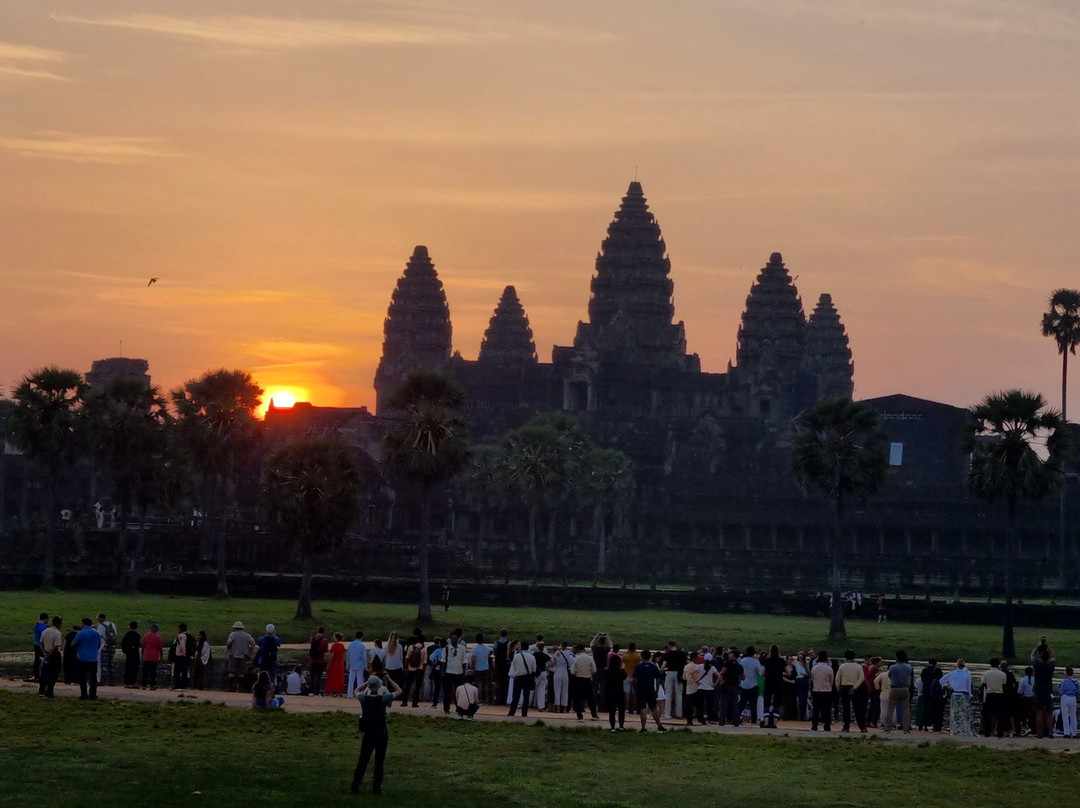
269, 651
415, 657
111, 635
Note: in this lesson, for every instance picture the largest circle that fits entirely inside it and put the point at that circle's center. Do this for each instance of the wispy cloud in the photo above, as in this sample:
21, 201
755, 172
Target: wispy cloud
87, 148
1011, 18
251, 33
29, 62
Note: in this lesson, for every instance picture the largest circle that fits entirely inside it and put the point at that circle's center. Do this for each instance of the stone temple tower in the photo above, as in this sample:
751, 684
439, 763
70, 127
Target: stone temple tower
828, 354
631, 308
416, 332
508, 341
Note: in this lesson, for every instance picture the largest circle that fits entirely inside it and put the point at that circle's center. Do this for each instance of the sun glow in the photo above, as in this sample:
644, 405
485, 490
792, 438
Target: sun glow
282, 398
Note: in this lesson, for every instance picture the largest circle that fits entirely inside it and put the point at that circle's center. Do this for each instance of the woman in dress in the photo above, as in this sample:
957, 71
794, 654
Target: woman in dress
335, 671
202, 661
395, 661
958, 681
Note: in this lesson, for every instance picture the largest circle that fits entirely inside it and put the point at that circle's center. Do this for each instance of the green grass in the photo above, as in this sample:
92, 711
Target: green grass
107, 753
19, 611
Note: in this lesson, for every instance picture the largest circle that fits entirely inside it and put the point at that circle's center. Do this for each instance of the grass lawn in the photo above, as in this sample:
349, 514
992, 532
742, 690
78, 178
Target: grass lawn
107, 753
19, 611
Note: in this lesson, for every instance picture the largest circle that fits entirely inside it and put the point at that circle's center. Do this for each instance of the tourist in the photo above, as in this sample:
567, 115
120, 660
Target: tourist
109, 636
630, 660
131, 646
71, 659
993, 688
151, 645
691, 675
600, 648
201, 663
582, 670
466, 698
958, 682
500, 656
850, 680
480, 663
710, 678
39, 629
374, 701
296, 683
181, 652
394, 660
614, 676
673, 663
522, 678
922, 712
318, 645
647, 686
1010, 702
262, 693
335, 669
901, 677
1067, 692
455, 661
561, 663
1025, 692
1044, 690
266, 654
802, 686
748, 685
356, 660
239, 646
435, 662
821, 691
87, 646
52, 657
730, 679
772, 669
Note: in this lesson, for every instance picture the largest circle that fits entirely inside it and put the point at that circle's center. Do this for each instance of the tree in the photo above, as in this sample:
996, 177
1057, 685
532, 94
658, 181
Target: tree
312, 491
219, 430
45, 425
1001, 436
608, 489
1062, 322
839, 449
426, 446
482, 488
126, 421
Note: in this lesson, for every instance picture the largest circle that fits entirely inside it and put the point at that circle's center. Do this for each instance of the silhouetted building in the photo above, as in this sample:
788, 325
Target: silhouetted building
118, 367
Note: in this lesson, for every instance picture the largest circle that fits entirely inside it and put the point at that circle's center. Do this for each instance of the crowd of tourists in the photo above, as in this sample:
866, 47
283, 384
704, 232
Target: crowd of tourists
707, 686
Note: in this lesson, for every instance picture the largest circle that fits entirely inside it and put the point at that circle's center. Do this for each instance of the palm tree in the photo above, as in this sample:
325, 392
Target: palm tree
1001, 436
482, 488
1062, 322
218, 427
608, 489
840, 449
127, 421
45, 425
426, 445
312, 491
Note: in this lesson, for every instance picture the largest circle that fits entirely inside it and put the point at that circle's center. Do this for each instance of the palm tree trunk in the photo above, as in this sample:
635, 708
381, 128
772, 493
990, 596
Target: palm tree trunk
1063, 550
423, 612
1008, 642
222, 554
48, 566
303, 604
552, 524
533, 560
601, 548
837, 629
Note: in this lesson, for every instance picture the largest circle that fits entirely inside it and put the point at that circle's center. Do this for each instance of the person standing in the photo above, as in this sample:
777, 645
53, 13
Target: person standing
1025, 693
560, 678
849, 680
181, 653
748, 687
238, 646
673, 663
356, 659
318, 645
395, 660
958, 681
374, 702
130, 646
480, 659
151, 645
692, 703
993, 683
614, 676
901, 678
1067, 692
500, 655
455, 656
52, 657
647, 678
1044, 691
582, 670
335, 671
543, 664
109, 637
87, 644
522, 679
267, 655
201, 664
39, 629
773, 668
630, 660
821, 690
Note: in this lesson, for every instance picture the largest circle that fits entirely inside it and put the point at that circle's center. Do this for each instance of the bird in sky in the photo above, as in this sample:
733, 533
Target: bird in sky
152, 282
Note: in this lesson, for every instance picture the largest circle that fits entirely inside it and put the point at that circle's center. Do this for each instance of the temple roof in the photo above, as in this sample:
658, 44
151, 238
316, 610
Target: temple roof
508, 339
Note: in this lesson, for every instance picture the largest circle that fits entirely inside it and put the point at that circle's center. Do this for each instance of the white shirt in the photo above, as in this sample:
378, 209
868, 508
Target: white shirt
455, 656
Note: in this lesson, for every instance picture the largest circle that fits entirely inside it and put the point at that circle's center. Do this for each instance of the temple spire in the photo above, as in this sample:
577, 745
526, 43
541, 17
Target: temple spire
828, 353
417, 328
508, 339
772, 333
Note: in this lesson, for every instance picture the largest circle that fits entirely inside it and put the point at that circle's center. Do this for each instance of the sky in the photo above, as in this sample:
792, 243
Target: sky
274, 163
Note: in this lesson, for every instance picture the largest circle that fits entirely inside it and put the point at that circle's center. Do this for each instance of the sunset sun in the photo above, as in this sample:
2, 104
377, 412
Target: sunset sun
282, 397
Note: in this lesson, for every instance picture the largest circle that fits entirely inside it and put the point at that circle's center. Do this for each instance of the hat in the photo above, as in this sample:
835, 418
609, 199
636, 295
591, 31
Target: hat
269, 628
374, 683
238, 625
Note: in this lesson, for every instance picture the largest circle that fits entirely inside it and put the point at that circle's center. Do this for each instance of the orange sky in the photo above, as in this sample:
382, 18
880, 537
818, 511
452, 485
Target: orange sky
274, 163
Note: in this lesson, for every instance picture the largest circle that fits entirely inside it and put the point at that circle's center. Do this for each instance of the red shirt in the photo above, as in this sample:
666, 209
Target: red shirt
151, 646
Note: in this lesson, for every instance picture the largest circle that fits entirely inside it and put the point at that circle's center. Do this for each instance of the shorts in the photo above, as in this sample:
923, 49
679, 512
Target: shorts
237, 666
627, 686
646, 701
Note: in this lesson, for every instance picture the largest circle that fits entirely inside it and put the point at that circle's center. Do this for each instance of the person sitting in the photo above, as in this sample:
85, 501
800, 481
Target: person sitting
466, 697
262, 693
296, 683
